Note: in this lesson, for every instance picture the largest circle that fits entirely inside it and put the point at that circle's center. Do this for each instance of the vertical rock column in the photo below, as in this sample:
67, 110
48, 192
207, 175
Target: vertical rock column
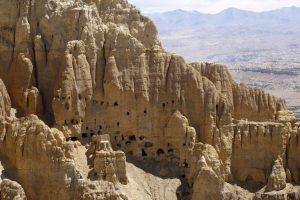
5, 104
108, 165
20, 79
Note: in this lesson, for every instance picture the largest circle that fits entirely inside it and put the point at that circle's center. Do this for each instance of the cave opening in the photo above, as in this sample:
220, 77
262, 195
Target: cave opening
132, 138
67, 106
148, 144
73, 139
159, 152
186, 165
170, 150
144, 154
142, 137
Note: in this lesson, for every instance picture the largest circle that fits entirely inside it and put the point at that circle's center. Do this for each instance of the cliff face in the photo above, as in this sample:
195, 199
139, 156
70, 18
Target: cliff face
5, 103
94, 67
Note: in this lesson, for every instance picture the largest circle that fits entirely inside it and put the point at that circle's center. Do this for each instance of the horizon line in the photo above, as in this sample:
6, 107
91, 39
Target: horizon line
213, 13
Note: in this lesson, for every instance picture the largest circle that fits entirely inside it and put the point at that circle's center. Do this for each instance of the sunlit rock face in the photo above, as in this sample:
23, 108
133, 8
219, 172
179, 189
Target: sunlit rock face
92, 85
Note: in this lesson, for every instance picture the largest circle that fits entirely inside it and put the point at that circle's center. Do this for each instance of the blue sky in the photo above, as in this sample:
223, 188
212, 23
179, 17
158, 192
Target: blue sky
211, 6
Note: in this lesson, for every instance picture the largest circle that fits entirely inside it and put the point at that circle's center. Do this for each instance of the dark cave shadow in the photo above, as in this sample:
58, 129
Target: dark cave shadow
249, 185
8, 171
92, 176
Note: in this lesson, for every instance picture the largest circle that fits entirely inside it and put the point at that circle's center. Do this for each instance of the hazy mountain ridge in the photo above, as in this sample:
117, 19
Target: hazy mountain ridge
261, 48
228, 17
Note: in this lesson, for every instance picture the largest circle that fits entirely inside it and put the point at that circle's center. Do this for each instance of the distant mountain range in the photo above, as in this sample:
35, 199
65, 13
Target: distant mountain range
180, 19
260, 48
232, 35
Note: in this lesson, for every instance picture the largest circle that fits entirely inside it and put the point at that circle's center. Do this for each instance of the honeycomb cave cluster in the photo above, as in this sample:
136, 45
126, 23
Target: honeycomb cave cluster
93, 107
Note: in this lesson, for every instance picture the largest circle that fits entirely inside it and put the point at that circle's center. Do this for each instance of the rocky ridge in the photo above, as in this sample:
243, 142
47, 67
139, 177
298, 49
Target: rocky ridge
95, 72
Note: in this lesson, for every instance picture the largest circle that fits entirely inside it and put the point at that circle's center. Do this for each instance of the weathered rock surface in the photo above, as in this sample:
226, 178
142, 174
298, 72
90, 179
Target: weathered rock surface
89, 68
39, 158
277, 178
206, 169
109, 165
10, 190
5, 103
267, 139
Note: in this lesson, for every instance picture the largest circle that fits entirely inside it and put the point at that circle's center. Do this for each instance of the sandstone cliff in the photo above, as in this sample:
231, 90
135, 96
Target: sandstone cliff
87, 68
5, 103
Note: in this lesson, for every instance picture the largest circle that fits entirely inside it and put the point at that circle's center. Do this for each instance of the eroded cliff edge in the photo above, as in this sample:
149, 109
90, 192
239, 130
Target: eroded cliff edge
88, 68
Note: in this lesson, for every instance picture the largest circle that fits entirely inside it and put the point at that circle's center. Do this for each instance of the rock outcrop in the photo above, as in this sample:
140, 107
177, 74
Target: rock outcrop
108, 165
206, 169
277, 178
34, 155
293, 152
11, 190
40, 159
5, 103
267, 139
95, 73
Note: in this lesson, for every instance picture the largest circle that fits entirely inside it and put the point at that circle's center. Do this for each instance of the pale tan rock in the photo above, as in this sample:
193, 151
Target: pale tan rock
26, 98
243, 101
293, 153
206, 169
219, 75
277, 178
208, 153
90, 67
38, 155
109, 165
285, 115
108, 36
33, 150
97, 190
267, 140
11, 190
71, 96
5, 103
255, 104
144, 185
181, 136
213, 183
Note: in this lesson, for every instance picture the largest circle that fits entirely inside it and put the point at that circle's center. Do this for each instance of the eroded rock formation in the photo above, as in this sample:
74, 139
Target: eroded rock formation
92, 84
5, 103
108, 164
11, 190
